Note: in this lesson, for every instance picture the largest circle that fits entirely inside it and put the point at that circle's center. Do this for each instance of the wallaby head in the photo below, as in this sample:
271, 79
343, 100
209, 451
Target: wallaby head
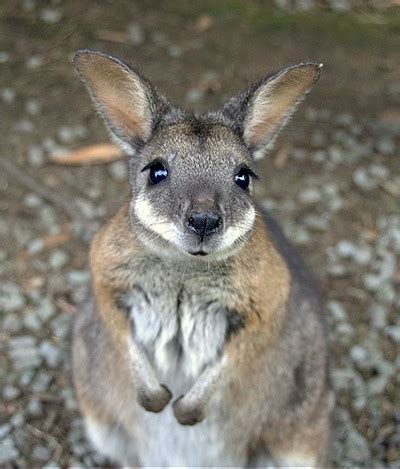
192, 176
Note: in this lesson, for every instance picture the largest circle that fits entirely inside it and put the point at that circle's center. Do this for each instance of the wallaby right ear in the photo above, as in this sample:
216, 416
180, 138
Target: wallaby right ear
128, 103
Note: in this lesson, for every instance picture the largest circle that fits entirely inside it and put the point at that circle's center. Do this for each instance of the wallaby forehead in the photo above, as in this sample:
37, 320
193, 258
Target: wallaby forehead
197, 140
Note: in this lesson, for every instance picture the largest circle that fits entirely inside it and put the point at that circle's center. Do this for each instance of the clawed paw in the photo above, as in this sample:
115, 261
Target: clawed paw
187, 414
154, 401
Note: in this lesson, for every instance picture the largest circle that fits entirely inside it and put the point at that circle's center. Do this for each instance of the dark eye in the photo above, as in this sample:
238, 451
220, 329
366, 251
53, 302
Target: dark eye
242, 177
158, 172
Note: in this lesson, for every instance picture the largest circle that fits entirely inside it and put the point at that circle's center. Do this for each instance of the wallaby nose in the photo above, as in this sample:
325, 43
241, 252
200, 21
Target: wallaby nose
204, 223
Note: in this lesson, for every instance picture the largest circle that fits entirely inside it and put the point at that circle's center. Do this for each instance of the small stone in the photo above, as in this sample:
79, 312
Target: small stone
317, 222
51, 15
311, 114
50, 353
358, 354
11, 298
32, 106
363, 180
26, 378
8, 95
135, 34
8, 451
10, 392
386, 146
309, 196
119, 170
393, 332
357, 449
344, 331
35, 246
12, 323
35, 408
46, 309
53, 465
344, 120
87, 208
24, 353
372, 282
336, 310
17, 420
386, 293
61, 325
4, 429
35, 61
174, 51
32, 321
41, 382
194, 96
24, 126
58, 259
378, 315
337, 270
4, 57
318, 139
41, 453
78, 277
32, 201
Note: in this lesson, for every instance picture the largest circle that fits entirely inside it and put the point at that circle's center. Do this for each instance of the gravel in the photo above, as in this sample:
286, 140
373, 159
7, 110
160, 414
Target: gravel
337, 200
8, 451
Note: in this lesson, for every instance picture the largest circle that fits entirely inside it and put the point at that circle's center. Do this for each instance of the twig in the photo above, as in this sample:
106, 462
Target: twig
27, 181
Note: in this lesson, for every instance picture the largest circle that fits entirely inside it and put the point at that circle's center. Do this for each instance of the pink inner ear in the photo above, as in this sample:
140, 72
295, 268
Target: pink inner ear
276, 102
118, 93
128, 124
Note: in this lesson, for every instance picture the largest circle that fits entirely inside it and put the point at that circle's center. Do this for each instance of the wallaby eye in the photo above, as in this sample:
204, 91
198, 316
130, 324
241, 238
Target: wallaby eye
242, 177
158, 172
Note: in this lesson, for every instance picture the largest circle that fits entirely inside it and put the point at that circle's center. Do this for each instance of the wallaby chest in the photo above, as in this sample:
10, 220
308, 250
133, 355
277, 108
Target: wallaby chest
179, 318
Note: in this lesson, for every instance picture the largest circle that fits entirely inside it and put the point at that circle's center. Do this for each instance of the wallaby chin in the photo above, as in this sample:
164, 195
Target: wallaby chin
202, 315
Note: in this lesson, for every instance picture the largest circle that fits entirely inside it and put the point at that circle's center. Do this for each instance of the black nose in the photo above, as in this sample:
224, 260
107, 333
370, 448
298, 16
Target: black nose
204, 223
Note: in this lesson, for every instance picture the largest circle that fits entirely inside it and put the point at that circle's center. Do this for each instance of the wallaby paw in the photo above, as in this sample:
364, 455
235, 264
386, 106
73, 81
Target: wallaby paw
154, 401
187, 414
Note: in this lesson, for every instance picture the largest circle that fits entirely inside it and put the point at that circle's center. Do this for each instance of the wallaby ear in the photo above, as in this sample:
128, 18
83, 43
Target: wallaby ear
262, 111
127, 101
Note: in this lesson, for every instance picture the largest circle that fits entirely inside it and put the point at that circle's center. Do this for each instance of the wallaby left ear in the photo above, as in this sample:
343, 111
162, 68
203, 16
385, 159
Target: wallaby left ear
127, 101
262, 111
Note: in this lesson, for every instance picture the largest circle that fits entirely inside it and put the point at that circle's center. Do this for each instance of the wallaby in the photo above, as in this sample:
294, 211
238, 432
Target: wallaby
203, 343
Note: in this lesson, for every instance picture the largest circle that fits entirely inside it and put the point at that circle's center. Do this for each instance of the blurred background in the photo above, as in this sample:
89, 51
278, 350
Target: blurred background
333, 181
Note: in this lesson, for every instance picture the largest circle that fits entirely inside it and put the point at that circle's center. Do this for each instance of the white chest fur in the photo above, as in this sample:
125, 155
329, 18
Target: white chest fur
182, 325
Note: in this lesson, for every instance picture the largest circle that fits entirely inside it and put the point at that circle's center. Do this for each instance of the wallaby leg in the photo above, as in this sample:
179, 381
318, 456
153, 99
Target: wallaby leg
110, 441
151, 395
305, 444
189, 409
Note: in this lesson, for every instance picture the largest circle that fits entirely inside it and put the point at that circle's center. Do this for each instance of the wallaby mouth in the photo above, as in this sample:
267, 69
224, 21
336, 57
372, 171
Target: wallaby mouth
198, 253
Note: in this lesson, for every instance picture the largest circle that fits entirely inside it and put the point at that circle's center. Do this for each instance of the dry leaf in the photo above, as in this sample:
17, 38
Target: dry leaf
203, 23
281, 157
112, 36
390, 116
92, 154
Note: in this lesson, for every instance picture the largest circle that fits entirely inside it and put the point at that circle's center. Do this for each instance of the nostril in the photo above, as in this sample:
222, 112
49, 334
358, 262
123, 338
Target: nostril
204, 223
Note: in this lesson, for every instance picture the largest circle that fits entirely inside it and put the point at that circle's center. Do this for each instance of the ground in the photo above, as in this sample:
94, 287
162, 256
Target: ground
333, 182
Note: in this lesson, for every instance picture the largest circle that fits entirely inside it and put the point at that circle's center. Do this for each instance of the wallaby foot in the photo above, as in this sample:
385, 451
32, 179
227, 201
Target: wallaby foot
188, 413
154, 401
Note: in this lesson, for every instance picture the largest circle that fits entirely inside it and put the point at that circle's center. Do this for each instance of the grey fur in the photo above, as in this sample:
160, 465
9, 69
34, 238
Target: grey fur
181, 319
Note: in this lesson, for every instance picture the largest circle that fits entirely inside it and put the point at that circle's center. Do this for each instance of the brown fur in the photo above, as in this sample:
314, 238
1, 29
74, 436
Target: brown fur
199, 349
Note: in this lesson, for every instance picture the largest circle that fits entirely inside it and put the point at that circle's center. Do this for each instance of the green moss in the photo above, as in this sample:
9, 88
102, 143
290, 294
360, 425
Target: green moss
264, 18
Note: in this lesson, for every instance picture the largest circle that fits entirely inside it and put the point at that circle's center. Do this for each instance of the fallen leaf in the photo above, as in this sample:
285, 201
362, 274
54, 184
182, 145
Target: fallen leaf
390, 116
93, 154
112, 36
203, 23
281, 157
